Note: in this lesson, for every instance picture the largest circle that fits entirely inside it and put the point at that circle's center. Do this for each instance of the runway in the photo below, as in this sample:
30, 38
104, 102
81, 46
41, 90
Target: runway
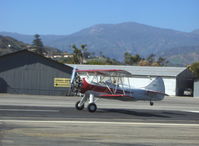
51, 120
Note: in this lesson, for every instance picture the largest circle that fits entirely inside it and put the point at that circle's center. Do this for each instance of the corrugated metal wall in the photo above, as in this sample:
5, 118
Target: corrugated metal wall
184, 81
29, 73
196, 89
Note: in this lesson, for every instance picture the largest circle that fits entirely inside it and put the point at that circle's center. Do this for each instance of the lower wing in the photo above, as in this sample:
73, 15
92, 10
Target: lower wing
117, 97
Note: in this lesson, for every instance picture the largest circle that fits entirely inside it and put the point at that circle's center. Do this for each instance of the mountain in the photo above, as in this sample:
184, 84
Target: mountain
195, 32
9, 45
182, 56
46, 39
114, 39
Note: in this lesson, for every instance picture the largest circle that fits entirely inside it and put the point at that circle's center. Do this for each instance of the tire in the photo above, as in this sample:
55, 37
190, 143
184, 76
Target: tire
79, 107
151, 103
92, 107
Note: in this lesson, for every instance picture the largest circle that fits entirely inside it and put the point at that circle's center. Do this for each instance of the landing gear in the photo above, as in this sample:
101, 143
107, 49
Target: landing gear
151, 103
92, 107
79, 107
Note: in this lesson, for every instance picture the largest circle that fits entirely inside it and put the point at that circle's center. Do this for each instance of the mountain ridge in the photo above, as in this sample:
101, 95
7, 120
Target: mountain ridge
10, 45
114, 39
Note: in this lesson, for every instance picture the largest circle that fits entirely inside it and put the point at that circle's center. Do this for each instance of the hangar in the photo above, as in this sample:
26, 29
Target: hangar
176, 79
196, 88
25, 72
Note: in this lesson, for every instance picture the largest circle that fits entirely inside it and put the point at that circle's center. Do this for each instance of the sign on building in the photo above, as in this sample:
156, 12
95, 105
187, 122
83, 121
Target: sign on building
61, 82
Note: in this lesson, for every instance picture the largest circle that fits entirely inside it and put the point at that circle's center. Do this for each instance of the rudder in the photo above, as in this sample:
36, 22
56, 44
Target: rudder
156, 85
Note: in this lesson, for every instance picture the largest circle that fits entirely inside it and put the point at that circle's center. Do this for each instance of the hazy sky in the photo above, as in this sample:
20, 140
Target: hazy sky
68, 16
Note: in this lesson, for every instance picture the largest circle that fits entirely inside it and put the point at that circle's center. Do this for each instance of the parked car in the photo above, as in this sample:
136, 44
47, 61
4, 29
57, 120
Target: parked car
188, 92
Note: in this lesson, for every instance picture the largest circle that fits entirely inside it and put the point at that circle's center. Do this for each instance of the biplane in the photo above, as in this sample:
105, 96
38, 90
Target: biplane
112, 84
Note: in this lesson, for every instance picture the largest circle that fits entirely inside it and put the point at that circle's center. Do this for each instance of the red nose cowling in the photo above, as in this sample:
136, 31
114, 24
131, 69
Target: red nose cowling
85, 86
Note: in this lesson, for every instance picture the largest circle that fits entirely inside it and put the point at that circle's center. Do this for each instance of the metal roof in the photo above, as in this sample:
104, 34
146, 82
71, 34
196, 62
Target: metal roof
50, 61
137, 70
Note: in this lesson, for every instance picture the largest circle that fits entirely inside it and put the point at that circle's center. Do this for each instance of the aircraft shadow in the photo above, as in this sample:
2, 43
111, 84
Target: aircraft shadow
37, 112
139, 113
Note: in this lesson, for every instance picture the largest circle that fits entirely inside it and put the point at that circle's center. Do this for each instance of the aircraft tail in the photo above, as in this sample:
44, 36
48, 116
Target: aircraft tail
157, 85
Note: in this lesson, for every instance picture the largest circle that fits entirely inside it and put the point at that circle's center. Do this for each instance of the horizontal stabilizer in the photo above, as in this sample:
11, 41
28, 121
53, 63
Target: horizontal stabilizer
154, 92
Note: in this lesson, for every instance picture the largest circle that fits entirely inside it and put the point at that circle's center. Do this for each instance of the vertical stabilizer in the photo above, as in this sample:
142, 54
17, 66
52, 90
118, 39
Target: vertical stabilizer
156, 85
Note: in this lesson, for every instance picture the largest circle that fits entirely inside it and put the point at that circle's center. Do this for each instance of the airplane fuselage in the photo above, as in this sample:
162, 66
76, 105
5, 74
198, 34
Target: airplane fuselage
114, 91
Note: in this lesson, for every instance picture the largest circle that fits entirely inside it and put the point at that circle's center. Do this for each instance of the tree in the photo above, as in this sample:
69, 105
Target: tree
38, 45
84, 50
162, 61
80, 54
127, 58
151, 58
135, 59
130, 59
194, 68
77, 55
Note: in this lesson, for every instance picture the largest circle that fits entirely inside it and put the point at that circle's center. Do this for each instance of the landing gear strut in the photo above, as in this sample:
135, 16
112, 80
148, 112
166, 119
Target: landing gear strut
92, 107
79, 107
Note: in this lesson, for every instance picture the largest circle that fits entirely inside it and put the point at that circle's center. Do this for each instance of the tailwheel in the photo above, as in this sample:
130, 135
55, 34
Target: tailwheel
92, 107
79, 107
151, 103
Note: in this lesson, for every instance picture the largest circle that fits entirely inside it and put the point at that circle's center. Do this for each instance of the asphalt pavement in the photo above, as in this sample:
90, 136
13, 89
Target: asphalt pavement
53, 120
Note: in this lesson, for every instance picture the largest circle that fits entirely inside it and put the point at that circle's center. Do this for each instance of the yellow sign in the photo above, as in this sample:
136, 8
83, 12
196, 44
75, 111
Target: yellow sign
61, 82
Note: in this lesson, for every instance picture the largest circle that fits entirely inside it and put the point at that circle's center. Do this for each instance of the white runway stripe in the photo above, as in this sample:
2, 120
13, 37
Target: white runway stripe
103, 122
28, 110
191, 111
194, 111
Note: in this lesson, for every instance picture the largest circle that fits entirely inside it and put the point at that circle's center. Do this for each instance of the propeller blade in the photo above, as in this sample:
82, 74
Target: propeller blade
73, 75
72, 80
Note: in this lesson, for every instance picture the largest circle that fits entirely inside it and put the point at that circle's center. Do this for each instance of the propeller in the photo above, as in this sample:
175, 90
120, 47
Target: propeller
73, 75
75, 82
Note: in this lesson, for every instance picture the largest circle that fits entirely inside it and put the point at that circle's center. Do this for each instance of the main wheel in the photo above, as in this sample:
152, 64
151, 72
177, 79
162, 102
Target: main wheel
151, 103
92, 107
79, 107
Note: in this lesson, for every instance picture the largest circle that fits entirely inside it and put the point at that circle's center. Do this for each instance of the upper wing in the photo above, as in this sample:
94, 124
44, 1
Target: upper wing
107, 72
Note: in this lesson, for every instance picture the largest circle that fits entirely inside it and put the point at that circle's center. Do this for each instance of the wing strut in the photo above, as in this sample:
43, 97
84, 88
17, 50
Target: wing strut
122, 86
108, 88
